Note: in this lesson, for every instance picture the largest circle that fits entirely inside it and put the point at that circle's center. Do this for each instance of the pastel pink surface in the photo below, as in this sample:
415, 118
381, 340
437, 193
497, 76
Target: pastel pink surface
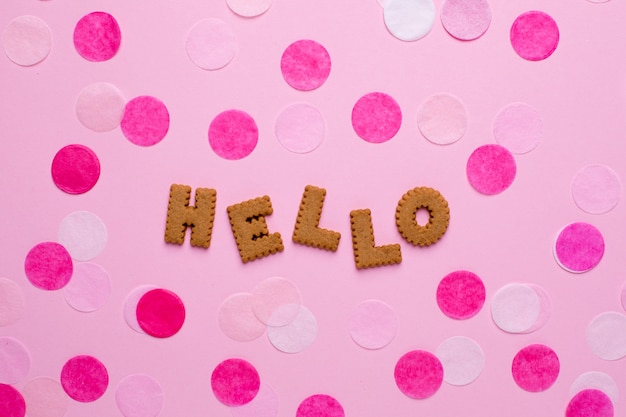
89, 289
48, 266
235, 382
373, 324
211, 44
11, 302
300, 128
535, 368
466, 19
491, 169
305, 65
233, 134
461, 295
146, 121
237, 320
97, 36
320, 405
45, 397
14, 361
579, 247
596, 189
160, 313
264, 404
27, 40
534, 35
75, 169
12, 403
590, 403
100, 107
84, 378
518, 127
623, 296
139, 395
376, 117
418, 374
442, 119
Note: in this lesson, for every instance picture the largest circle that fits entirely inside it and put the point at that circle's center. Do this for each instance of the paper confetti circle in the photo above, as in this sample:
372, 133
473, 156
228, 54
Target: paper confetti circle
520, 308
373, 324
11, 302
596, 380
606, 335
211, 44
462, 359
590, 403
97, 36
89, 289
491, 169
48, 266
83, 234
249, 8
409, 20
14, 361
535, 368
75, 169
518, 127
235, 382
596, 189
100, 107
160, 313
442, 119
461, 295
418, 374
146, 121
305, 65
130, 306
534, 35
45, 397
466, 19
12, 404
27, 40
300, 128
237, 320
84, 378
233, 134
139, 395
276, 301
320, 405
579, 247
376, 117
297, 335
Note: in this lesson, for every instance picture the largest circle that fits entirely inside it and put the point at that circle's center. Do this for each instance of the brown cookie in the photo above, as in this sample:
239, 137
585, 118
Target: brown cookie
180, 215
437, 206
366, 254
307, 231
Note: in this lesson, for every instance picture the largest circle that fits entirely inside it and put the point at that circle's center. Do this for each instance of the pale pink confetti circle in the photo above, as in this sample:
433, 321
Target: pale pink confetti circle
83, 234
606, 336
233, 134
139, 395
249, 8
461, 295
297, 335
14, 361
491, 169
100, 107
146, 121
409, 20
590, 403
596, 189
300, 128
518, 127
466, 19
442, 119
12, 404
211, 44
376, 117
89, 289
462, 359
235, 382
11, 302
305, 65
596, 380
515, 308
579, 247
97, 36
48, 266
27, 40
264, 404
276, 301
160, 313
320, 405
130, 306
534, 35
75, 169
45, 397
373, 324
535, 368
84, 378
418, 374
237, 320
545, 308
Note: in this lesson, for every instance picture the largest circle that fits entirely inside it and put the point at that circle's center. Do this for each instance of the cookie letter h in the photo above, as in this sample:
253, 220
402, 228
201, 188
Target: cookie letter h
181, 215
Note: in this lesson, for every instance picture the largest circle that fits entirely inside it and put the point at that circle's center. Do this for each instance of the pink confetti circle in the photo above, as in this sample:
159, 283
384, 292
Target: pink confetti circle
596, 380
535, 368
461, 295
89, 288
12, 403
305, 65
534, 35
27, 40
233, 134
83, 234
466, 19
491, 169
100, 107
418, 374
409, 20
160, 313
297, 335
373, 324
442, 119
14, 361
45, 397
237, 320
590, 403
462, 359
84, 378
11, 302
130, 306
139, 395
235, 382
265, 404
211, 44
320, 405
75, 169
300, 128
596, 189
518, 127
276, 301
97, 36
376, 117
249, 8
606, 335
579, 247
145, 121
48, 266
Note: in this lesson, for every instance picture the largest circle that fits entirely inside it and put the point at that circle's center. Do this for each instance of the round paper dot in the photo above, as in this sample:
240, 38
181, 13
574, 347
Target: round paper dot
89, 289
249, 8
145, 121
518, 127
590, 403
373, 324
11, 302
376, 117
461, 295
265, 404
139, 395
545, 308
233, 134
462, 359
14, 361
235, 382
276, 301
534, 35
84, 378
606, 335
297, 335
596, 189
27, 40
305, 65
75, 169
160, 313
130, 306
320, 405
491, 169
596, 380
100, 107
97, 36
237, 320
579, 247
515, 308
535, 368
466, 19
409, 20
418, 374
300, 128
48, 266
83, 234
211, 44
12, 404
45, 397
442, 119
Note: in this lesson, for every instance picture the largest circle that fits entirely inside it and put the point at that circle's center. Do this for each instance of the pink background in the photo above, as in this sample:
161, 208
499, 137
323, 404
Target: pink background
580, 92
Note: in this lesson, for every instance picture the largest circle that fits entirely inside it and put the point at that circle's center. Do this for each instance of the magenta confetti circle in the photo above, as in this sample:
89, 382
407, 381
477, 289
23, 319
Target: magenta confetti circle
233, 134
305, 65
590, 403
491, 169
235, 382
320, 405
145, 121
418, 374
376, 117
97, 36
160, 313
12, 403
75, 169
461, 295
534, 35
535, 368
579, 247
84, 378
48, 266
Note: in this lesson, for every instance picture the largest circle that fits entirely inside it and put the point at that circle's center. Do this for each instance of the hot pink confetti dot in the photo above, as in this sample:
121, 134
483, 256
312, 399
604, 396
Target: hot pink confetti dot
233, 134
97, 36
579, 247
145, 121
320, 405
305, 65
418, 374
461, 295
376, 117
590, 403
534, 35
160, 313
235, 382
48, 266
75, 169
12, 403
491, 169
84, 378
535, 368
